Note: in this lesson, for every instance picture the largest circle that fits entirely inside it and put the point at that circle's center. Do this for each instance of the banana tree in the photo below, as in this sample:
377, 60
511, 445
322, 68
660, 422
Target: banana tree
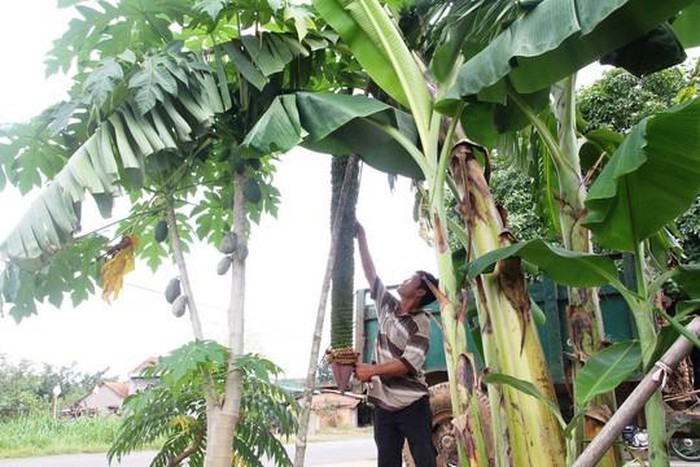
505, 97
163, 125
390, 140
649, 181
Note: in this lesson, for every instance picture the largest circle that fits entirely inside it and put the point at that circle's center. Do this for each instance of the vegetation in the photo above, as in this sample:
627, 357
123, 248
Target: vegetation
184, 103
42, 435
174, 410
27, 391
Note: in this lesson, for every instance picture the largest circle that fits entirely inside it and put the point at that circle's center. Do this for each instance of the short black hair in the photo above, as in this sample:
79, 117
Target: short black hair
429, 296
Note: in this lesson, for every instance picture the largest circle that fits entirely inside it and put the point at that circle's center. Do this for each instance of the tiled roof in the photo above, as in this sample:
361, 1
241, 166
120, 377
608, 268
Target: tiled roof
120, 389
149, 362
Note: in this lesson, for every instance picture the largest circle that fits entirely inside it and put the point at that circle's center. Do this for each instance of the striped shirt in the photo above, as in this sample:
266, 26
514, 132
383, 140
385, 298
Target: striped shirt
403, 337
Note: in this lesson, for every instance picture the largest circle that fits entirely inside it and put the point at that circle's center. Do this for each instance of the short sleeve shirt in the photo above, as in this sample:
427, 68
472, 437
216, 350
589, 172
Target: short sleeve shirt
403, 337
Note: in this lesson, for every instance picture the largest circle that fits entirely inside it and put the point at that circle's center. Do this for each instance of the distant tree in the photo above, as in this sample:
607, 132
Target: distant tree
26, 389
324, 376
619, 100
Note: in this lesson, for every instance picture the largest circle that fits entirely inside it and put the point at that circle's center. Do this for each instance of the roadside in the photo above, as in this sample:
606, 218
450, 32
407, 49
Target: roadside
345, 451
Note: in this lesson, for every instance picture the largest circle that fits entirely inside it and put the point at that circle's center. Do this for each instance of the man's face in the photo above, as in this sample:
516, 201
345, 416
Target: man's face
411, 286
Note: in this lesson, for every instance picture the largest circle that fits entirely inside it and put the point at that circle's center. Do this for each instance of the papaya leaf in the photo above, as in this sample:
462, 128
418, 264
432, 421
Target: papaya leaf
561, 265
652, 178
606, 369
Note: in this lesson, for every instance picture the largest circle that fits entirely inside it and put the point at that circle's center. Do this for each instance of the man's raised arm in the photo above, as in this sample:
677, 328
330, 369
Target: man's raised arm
365, 257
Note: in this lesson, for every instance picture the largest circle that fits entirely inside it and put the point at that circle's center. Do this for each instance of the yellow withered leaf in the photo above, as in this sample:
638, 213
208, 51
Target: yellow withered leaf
120, 263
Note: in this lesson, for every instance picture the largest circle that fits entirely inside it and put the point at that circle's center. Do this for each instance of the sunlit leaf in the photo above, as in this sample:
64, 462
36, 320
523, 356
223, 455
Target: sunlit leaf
606, 369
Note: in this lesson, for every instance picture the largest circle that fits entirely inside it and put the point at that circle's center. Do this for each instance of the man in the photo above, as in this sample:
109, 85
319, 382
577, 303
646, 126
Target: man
397, 386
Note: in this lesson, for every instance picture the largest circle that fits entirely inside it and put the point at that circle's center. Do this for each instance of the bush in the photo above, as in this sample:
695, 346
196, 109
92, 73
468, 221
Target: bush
44, 435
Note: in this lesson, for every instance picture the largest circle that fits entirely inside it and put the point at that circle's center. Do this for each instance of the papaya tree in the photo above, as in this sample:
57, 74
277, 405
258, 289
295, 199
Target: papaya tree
164, 94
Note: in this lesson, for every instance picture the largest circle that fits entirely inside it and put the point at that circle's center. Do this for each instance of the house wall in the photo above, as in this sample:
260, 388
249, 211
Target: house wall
102, 399
334, 411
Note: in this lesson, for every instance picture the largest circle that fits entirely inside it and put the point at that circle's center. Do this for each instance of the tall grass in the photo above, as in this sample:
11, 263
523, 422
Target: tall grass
43, 435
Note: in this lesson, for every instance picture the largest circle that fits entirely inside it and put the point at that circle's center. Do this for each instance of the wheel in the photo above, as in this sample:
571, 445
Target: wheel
686, 448
443, 437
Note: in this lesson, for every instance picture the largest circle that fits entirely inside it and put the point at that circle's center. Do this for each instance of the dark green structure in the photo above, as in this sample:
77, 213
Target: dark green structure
550, 297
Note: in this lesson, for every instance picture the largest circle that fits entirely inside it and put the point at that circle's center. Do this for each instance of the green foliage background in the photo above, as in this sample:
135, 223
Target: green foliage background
26, 389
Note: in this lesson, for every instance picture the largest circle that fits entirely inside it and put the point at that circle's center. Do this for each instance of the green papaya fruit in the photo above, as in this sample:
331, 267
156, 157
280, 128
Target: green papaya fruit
179, 306
161, 232
172, 291
251, 191
253, 163
224, 265
228, 243
242, 252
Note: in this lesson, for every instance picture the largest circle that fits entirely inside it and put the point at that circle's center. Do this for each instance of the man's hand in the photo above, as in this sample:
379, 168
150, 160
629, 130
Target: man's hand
359, 230
364, 372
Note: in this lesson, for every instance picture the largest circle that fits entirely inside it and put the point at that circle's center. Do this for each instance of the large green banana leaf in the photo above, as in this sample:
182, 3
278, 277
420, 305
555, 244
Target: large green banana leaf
337, 124
377, 44
687, 26
554, 40
114, 155
652, 178
561, 265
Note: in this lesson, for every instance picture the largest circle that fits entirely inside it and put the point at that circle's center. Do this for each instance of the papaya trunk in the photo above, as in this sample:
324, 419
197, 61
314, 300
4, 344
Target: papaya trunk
525, 431
226, 412
584, 316
211, 395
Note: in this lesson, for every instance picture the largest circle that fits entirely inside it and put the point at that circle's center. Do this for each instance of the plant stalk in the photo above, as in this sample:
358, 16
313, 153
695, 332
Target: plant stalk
584, 315
525, 431
226, 413
654, 410
647, 388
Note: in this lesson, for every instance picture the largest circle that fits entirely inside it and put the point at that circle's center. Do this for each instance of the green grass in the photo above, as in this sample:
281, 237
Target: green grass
42, 436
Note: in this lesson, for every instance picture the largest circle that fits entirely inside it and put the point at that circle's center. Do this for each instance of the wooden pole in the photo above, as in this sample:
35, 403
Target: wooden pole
635, 402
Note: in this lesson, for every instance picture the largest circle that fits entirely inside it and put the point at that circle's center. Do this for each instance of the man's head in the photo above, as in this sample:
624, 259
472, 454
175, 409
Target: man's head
416, 288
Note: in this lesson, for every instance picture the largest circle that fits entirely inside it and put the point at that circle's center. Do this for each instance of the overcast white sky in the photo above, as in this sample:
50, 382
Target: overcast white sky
285, 266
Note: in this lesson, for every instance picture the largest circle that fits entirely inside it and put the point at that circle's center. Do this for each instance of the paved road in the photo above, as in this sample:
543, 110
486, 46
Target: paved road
355, 452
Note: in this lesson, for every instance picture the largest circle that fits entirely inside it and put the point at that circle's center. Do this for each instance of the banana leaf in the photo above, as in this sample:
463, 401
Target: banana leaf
380, 48
561, 265
337, 124
554, 40
606, 369
652, 178
686, 26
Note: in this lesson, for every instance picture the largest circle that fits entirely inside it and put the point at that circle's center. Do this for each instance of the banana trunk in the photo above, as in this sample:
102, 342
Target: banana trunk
525, 431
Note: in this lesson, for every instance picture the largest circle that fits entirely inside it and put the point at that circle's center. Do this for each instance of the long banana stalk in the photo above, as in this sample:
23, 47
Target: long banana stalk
583, 317
525, 431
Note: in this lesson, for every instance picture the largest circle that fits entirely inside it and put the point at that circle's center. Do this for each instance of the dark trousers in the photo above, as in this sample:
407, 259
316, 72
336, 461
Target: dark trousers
411, 423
